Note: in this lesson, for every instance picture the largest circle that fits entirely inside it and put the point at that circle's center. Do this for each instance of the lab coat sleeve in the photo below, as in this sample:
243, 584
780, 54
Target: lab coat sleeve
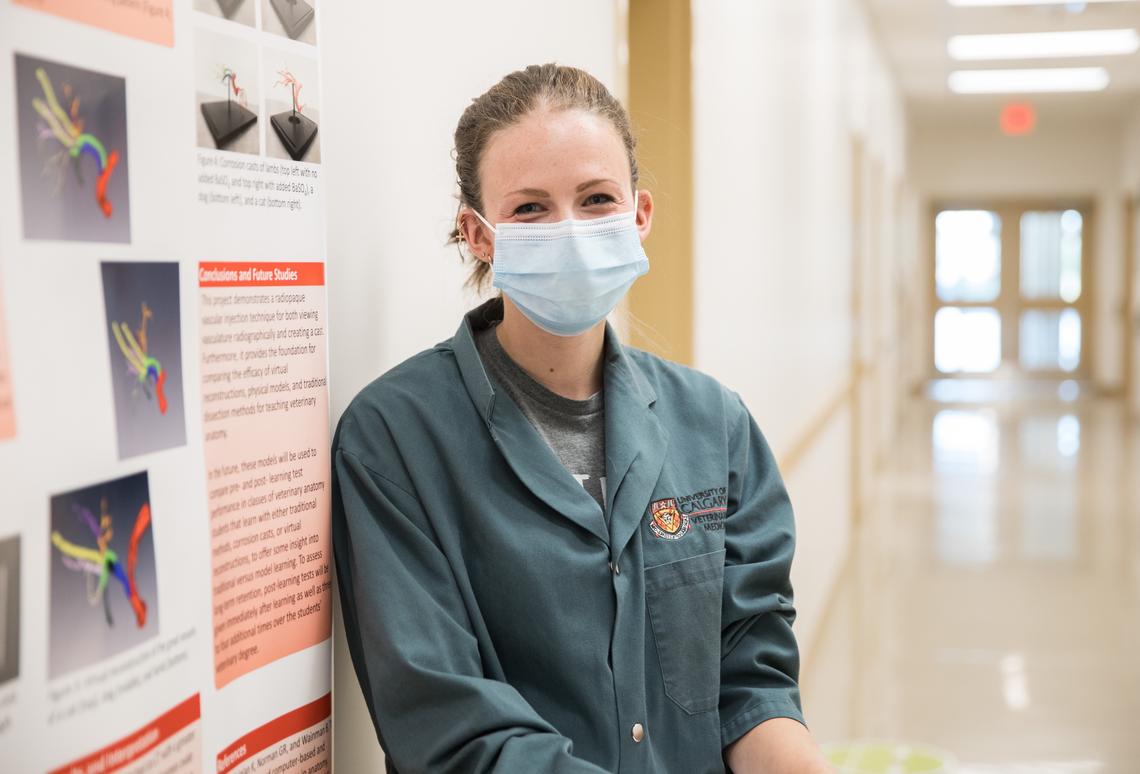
759, 654
412, 645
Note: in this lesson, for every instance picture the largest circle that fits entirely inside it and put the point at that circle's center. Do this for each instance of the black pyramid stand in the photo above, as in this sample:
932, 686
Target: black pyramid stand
227, 120
295, 15
229, 7
296, 132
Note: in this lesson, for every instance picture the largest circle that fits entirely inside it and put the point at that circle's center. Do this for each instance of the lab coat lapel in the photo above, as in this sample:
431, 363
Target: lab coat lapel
636, 443
527, 453
536, 464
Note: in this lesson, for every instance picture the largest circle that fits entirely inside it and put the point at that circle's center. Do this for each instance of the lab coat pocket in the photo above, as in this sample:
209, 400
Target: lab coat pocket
684, 601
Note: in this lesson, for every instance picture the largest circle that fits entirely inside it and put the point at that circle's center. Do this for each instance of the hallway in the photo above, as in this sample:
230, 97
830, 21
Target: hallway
991, 604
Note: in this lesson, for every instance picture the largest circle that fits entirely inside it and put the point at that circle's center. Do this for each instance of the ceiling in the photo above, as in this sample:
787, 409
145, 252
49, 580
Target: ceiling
915, 33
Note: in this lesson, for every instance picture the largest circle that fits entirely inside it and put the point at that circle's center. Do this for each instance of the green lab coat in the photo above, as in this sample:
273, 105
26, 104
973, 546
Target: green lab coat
499, 621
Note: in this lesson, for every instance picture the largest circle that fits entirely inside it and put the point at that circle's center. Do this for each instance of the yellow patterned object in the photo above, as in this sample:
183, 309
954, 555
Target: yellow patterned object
876, 757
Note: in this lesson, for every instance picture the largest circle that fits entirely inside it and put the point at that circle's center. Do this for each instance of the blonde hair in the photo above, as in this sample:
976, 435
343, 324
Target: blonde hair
506, 103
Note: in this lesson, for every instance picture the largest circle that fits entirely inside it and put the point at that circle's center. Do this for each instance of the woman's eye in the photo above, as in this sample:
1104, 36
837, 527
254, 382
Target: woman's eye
527, 209
598, 198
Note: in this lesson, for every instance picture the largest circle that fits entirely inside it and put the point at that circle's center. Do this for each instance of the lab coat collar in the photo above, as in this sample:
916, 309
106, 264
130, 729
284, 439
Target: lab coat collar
636, 441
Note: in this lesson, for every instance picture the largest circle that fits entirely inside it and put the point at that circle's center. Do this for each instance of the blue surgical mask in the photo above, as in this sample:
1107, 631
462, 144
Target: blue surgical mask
567, 276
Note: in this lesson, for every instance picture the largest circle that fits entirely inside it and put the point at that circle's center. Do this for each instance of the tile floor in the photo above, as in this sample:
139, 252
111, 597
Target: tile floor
991, 605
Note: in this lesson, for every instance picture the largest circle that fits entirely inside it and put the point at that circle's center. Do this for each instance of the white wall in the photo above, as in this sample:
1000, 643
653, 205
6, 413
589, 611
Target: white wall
1130, 152
1130, 182
780, 89
396, 78
1075, 159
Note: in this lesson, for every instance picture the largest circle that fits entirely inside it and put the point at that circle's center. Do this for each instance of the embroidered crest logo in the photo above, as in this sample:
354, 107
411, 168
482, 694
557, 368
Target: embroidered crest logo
668, 522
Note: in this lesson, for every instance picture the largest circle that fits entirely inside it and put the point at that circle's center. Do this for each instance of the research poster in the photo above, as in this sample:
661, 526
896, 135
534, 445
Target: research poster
165, 558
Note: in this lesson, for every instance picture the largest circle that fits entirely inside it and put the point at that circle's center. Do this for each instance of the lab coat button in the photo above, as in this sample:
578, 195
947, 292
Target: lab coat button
615, 568
638, 732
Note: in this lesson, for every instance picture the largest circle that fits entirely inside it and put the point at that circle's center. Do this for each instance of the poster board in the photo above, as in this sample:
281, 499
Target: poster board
164, 445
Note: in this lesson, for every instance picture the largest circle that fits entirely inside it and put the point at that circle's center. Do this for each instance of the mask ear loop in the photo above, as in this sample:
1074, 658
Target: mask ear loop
485, 222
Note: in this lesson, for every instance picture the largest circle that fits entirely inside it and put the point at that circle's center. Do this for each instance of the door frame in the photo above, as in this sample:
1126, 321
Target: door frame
1130, 312
1010, 304
858, 226
660, 77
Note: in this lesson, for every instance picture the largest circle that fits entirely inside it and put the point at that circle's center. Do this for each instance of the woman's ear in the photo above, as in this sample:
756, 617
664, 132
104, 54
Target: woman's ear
477, 235
644, 213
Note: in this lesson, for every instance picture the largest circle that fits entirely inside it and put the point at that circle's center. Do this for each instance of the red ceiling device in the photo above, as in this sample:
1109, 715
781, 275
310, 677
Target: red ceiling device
1018, 118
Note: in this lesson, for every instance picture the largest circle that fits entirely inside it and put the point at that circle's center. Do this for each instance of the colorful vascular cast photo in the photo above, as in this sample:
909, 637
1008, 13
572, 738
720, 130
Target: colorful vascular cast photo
104, 596
145, 343
225, 79
9, 608
296, 19
73, 152
293, 107
240, 11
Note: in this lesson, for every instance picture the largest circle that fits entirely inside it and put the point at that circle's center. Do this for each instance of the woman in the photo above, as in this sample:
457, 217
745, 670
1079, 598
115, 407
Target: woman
556, 553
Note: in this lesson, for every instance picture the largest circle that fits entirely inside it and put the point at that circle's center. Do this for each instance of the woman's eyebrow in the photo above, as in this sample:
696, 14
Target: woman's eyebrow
595, 181
532, 192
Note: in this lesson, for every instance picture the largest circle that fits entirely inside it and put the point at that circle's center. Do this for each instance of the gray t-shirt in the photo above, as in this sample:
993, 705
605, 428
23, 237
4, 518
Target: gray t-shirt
574, 429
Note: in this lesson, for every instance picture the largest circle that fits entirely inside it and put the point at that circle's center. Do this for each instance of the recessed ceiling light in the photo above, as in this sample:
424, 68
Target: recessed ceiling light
980, 3
1028, 81
1042, 45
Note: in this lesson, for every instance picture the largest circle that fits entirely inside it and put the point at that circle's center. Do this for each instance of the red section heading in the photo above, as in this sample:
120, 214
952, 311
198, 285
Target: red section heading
289, 724
134, 746
232, 274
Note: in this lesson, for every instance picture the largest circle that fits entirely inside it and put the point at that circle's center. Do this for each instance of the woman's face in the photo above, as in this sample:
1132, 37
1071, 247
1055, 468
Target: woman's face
550, 166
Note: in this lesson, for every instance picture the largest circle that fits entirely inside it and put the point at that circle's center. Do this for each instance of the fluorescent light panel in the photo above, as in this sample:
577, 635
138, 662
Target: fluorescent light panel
1043, 45
984, 3
1028, 81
